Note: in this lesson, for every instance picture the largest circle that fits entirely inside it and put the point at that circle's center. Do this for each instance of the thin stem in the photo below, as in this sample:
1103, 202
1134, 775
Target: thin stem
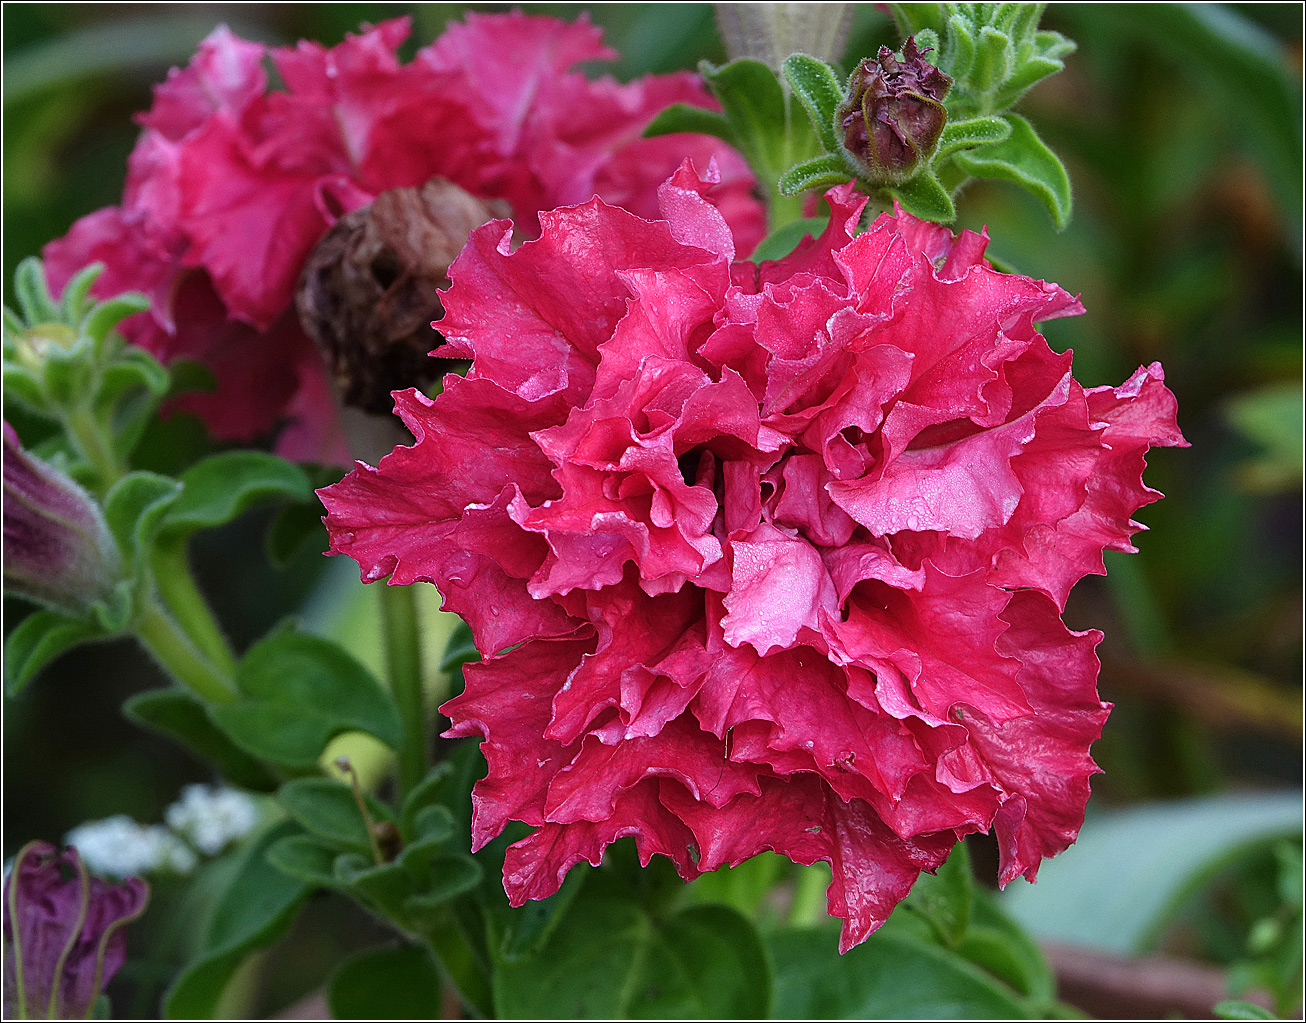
809, 902
95, 446
180, 594
403, 648
178, 655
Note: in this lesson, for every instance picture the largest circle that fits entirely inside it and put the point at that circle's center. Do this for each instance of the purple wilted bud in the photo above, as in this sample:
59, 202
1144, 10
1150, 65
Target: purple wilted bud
63, 931
893, 115
57, 548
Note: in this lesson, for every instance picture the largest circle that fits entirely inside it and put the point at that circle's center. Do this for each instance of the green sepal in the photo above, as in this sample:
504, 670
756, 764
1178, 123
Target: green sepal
392, 982
109, 313
326, 809
958, 49
993, 63
76, 300
299, 692
39, 639
257, 907
182, 717
977, 131
223, 486
923, 196
130, 390
683, 117
32, 292
819, 91
1234, 1008
1027, 161
819, 172
783, 240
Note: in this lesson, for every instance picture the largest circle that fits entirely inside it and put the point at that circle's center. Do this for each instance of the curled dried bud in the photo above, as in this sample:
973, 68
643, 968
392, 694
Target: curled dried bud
57, 548
369, 290
893, 115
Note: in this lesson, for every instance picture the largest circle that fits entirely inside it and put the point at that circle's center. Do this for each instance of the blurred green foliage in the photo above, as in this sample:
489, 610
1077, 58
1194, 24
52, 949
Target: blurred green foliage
1181, 128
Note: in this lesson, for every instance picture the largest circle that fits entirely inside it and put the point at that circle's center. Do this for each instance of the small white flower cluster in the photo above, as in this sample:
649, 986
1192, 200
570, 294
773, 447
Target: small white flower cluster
205, 820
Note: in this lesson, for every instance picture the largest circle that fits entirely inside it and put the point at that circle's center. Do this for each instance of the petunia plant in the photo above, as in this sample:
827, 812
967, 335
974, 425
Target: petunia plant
758, 491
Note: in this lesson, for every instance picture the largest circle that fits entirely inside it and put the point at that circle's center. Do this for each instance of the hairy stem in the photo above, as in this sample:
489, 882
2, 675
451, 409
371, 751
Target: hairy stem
178, 655
180, 594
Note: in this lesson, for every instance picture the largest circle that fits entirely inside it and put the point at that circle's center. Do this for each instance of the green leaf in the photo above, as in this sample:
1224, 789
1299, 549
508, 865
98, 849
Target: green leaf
444, 878
39, 639
294, 528
300, 692
782, 241
819, 91
924, 197
818, 172
683, 117
306, 859
754, 102
913, 17
609, 959
395, 982
326, 809
21, 384
1236, 1009
430, 791
258, 906
223, 486
130, 391
976, 131
134, 508
944, 898
995, 942
1083, 897
1024, 159
180, 716
33, 293
891, 975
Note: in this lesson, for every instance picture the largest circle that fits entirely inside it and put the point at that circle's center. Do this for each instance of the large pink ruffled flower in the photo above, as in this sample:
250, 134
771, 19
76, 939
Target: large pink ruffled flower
762, 557
231, 185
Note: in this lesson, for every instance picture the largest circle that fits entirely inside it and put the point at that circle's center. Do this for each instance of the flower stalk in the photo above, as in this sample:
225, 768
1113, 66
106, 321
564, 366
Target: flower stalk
403, 648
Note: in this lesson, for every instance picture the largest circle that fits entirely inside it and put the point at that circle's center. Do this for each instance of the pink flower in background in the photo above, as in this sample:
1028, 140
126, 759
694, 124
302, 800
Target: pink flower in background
231, 185
762, 557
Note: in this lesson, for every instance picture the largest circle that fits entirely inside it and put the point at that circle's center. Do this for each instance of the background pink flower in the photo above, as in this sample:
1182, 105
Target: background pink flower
762, 557
231, 185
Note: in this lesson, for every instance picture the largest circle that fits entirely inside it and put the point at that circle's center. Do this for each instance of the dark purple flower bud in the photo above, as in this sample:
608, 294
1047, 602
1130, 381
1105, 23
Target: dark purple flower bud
57, 547
63, 931
893, 115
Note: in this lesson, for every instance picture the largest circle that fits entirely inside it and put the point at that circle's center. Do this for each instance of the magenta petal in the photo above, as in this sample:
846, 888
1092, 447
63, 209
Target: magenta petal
783, 545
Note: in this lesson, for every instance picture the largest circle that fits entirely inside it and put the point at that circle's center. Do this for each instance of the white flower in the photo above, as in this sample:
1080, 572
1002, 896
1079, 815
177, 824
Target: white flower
211, 818
121, 847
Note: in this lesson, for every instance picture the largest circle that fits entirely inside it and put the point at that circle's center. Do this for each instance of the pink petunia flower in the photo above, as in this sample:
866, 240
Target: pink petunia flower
762, 557
232, 184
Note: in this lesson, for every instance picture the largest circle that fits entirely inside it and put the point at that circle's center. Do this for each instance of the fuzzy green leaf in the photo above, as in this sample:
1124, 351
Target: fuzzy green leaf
1027, 161
683, 117
924, 197
977, 131
819, 91
39, 639
180, 716
819, 172
221, 487
392, 983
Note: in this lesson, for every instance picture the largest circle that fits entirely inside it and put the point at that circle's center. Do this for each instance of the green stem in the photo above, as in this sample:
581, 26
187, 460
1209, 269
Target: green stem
95, 446
403, 648
809, 904
176, 586
178, 655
